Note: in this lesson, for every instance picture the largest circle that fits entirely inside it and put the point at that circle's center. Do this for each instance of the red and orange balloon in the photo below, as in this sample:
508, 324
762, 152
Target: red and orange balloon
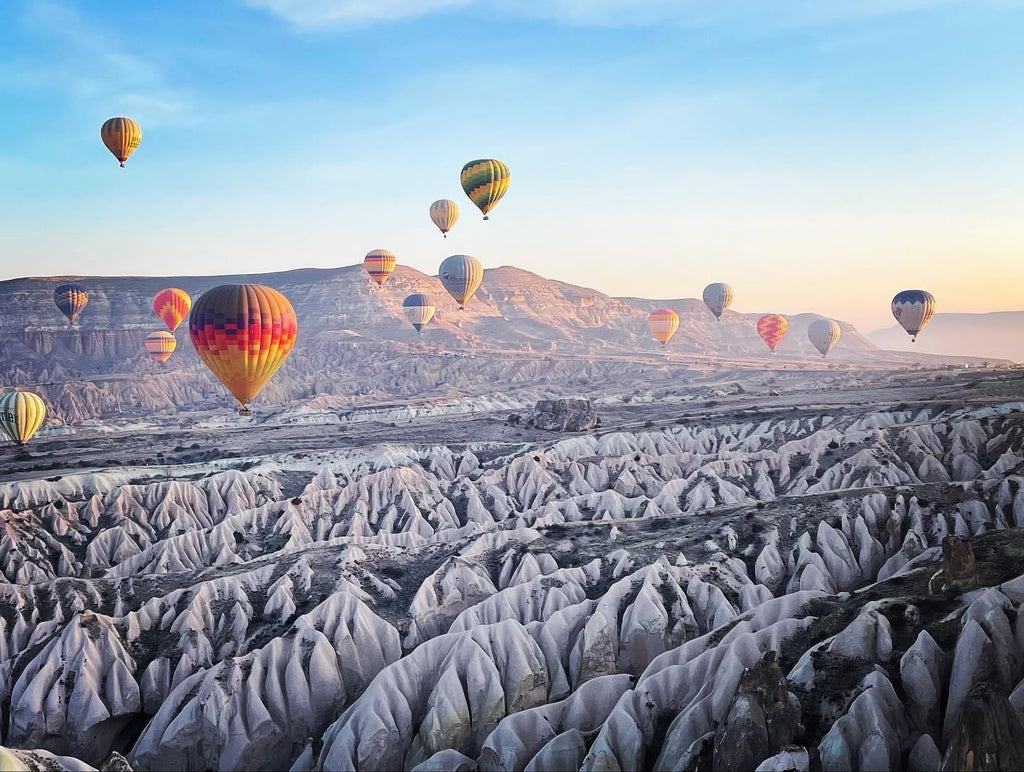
172, 306
772, 329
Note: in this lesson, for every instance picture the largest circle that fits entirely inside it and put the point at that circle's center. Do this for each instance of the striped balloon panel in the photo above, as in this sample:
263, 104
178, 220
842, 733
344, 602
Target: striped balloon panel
913, 309
461, 275
244, 333
663, 323
121, 136
21, 415
485, 182
419, 310
380, 264
161, 345
444, 213
772, 329
172, 306
70, 299
718, 297
824, 334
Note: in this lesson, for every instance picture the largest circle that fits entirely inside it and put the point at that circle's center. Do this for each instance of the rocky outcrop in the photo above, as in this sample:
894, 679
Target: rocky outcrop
571, 414
988, 737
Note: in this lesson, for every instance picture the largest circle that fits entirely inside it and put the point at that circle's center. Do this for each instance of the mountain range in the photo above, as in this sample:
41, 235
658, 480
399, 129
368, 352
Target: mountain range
997, 335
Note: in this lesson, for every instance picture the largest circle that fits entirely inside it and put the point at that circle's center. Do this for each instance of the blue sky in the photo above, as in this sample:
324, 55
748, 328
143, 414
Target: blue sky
818, 155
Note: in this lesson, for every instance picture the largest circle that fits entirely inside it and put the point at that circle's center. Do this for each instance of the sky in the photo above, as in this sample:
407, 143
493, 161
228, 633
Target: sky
818, 155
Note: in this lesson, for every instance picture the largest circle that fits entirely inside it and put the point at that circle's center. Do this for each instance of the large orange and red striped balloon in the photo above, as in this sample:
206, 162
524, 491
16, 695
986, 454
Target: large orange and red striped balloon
161, 345
663, 323
380, 264
244, 333
772, 329
172, 306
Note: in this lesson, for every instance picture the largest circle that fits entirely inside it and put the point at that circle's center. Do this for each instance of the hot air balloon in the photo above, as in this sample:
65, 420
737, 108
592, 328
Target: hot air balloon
485, 182
172, 306
461, 276
70, 299
913, 309
419, 309
244, 333
161, 345
380, 264
718, 297
21, 415
122, 137
824, 334
444, 212
663, 323
772, 329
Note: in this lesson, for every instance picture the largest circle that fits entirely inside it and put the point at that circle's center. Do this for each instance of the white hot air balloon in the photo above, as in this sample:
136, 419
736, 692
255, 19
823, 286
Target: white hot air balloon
718, 297
824, 334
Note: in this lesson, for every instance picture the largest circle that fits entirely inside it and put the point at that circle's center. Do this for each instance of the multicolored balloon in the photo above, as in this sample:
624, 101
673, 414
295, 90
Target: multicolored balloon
663, 323
824, 334
21, 415
718, 297
243, 333
444, 212
913, 309
161, 345
122, 137
172, 306
485, 182
419, 310
461, 275
772, 329
380, 264
70, 299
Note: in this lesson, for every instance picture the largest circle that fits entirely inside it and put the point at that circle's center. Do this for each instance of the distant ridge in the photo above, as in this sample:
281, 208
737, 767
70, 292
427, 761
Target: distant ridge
996, 335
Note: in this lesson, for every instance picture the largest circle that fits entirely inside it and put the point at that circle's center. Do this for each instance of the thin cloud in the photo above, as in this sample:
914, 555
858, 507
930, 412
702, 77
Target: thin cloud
341, 13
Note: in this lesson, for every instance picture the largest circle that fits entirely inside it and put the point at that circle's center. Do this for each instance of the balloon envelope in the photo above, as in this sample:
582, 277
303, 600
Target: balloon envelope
419, 310
70, 299
663, 323
485, 182
21, 415
718, 297
772, 329
121, 136
244, 333
461, 275
824, 334
161, 345
913, 309
172, 306
443, 213
380, 264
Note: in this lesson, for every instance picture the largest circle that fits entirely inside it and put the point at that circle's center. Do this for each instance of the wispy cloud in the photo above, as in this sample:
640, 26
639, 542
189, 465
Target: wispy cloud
692, 13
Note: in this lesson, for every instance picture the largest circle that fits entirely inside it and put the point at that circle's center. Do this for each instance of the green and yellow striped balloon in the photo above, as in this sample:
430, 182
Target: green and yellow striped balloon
21, 415
485, 182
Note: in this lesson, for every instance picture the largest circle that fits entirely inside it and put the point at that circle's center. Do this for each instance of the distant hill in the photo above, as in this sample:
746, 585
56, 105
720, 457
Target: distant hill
999, 335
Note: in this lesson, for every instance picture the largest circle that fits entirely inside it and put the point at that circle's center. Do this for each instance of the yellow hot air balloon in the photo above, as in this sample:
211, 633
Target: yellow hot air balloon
21, 415
485, 181
244, 333
380, 264
122, 137
443, 213
161, 345
172, 306
663, 323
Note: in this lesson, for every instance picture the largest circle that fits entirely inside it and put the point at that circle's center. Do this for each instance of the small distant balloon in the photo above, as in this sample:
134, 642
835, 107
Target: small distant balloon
663, 323
443, 213
172, 306
485, 181
772, 329
824, 335
461, 275
243, 333
718, 297
380, 264
161, 345
122, 137
21, 415
913, 309
70, 299
419, 310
